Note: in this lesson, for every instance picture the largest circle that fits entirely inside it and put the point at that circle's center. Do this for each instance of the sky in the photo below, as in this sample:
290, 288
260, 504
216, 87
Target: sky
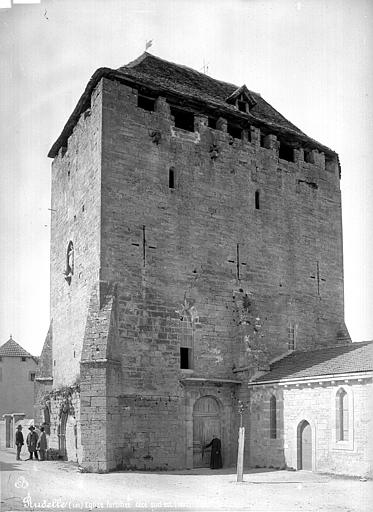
311, 60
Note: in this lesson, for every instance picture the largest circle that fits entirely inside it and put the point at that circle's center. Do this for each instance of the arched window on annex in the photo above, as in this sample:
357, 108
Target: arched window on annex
342, 415
273, 417
343, 424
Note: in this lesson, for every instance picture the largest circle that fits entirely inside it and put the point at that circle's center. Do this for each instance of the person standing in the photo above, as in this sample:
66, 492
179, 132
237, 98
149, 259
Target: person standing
42, 444
215, 459
31, 441
19, 441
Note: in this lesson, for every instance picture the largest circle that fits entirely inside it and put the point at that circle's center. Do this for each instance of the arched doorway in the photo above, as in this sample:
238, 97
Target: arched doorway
304, 435
206, 423
62, 435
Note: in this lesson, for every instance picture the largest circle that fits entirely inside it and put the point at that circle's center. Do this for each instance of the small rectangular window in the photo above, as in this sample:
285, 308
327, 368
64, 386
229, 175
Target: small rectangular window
330, 163
234, 131
242, 106
212, 122
308, 156
32, 376
146, 103
286, 152
23, 359
185, 358
264, 140
183, 119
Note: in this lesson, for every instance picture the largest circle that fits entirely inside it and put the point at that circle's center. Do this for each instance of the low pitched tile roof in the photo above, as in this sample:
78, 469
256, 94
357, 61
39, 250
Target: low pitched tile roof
167, 78
12, 349
352, 358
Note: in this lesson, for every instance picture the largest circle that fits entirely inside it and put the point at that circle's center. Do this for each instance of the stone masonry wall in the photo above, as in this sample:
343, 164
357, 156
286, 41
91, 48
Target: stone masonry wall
192, 231
75, 217
173, 252
316, 405
184, 262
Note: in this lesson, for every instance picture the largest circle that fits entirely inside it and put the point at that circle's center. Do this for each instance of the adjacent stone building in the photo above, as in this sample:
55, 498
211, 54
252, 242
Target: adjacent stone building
313, 411
18, 369
196, 236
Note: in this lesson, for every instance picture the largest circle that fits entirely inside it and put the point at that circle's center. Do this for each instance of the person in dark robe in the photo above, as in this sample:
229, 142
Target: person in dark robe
215, 459
19, 441
31, 442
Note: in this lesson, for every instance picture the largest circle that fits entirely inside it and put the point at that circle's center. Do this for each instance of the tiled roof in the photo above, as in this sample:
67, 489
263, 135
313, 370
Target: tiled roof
12, 349
167, 78
189, 82
352, 358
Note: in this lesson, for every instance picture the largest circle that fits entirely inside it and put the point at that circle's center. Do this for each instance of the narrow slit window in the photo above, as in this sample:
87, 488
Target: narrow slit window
171, 178
146, 103
183, 119
291, 337
185, 358
257, 200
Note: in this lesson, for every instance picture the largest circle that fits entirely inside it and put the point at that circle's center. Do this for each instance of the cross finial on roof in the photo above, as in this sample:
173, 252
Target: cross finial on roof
11, 337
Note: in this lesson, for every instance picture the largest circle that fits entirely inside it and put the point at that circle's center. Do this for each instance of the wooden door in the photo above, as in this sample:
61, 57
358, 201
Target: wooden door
306, 446
62, 436
206, 423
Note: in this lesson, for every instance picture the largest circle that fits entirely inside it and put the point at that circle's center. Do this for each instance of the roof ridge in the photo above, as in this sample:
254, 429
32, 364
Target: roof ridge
136, 61
144, 55
151, 71
10, 346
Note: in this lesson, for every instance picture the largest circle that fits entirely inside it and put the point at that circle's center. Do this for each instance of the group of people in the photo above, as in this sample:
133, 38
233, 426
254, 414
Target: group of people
35, 443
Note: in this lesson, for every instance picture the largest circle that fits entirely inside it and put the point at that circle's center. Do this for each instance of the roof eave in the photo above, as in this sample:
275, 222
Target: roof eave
314, 378
84, 103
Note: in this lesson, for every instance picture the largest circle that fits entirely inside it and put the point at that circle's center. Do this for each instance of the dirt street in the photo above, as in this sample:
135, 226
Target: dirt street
51, 485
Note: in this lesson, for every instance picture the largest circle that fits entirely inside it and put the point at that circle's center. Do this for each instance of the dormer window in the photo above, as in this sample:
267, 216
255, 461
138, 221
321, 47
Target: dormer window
242, 99
242, 105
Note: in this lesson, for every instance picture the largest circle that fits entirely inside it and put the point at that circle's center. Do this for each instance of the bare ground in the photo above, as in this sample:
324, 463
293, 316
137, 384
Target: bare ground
51, 485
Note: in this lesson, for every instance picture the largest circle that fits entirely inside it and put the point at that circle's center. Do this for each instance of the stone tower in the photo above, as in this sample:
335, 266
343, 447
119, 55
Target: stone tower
196, 235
